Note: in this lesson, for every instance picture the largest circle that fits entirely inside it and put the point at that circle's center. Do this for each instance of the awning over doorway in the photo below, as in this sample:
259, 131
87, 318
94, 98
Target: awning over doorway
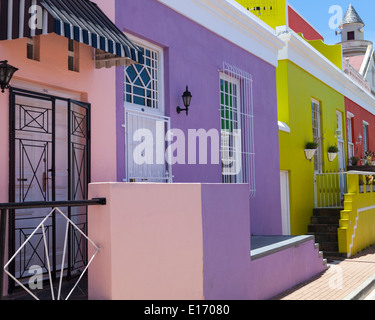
79, 20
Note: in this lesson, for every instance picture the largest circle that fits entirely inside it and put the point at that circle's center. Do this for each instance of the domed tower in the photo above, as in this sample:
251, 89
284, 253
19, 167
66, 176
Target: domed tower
352, 26
358, 53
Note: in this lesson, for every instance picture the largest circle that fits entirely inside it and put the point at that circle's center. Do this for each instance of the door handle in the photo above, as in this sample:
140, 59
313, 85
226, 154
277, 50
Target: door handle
44, 181
45, 178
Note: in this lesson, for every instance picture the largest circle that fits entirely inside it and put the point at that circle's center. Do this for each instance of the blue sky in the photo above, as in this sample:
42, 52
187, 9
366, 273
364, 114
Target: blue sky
317, 13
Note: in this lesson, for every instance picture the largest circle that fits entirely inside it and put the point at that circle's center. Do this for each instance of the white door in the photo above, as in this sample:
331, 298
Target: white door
145, 123
285, 204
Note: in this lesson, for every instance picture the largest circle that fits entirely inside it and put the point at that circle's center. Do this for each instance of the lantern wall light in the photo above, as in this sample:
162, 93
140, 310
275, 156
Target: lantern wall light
6, 73
186, 98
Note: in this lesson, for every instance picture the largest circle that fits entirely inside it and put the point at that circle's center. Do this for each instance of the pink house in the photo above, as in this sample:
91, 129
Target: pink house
52, 118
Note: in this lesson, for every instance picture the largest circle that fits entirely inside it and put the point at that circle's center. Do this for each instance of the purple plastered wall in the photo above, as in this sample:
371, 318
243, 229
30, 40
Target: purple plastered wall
229, 273
192, 56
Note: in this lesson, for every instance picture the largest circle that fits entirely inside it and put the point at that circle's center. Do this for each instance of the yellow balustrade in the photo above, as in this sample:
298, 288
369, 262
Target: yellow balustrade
357, 222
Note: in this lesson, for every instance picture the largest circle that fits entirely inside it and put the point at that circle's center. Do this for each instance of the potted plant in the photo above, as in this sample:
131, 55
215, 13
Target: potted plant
310, 149
369, 181
361, 185
332, 152
369, 155
354, 160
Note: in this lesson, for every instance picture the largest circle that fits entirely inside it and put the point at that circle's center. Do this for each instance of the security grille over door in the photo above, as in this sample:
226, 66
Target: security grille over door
147, 152
49, 161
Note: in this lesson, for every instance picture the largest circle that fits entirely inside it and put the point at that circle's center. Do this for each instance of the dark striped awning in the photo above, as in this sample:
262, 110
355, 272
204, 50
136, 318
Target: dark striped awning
79, 20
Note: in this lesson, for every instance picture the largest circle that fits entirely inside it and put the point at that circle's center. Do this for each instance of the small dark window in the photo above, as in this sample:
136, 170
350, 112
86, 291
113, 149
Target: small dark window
72, 56
30, 51
351, 35
33, 48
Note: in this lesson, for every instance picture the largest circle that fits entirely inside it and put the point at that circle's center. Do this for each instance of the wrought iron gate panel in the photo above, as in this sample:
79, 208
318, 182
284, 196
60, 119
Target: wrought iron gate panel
79, 130
47, 164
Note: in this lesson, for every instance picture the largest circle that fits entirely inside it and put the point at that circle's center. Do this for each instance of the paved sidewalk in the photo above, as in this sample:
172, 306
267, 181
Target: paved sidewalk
349, 279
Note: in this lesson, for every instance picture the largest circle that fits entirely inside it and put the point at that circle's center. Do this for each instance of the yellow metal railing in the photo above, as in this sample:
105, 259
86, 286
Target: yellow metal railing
357, 221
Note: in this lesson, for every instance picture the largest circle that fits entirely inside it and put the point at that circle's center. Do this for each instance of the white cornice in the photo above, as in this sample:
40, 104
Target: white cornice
233, 22
312, 61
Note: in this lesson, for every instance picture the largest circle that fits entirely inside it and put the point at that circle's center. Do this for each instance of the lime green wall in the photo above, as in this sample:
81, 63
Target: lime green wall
295, 89
332, 52
275, 17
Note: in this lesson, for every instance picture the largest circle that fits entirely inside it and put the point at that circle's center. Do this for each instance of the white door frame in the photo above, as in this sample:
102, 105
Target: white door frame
285, 202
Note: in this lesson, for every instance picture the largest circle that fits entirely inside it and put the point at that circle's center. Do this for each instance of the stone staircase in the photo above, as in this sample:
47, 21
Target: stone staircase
324, 225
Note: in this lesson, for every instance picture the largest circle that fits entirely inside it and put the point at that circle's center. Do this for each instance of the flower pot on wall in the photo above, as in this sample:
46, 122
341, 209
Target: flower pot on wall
332, 156
309, 153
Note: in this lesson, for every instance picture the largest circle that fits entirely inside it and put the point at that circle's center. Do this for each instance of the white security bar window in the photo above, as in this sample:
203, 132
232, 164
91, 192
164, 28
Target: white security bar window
145, 123
237, 131
349, 129
317, 134
365, 137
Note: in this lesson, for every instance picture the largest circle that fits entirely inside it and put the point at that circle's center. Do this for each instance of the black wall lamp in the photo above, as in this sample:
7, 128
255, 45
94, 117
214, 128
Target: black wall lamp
6, 73
186, 98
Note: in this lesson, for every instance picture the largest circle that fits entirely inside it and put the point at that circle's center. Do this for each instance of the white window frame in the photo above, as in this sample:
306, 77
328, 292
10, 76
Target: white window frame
245, 115
160, 79
318, 160
349, 130
225, 135
366, 144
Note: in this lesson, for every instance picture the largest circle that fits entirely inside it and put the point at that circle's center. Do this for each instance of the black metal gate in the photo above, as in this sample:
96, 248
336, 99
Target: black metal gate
49, 156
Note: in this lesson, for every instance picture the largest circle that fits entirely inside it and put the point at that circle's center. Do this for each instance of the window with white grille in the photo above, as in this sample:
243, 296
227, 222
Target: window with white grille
142, 81
365, 137
237, 127
349, 130
145, 123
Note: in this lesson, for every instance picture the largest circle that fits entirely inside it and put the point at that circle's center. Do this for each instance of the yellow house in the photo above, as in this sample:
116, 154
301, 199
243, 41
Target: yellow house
313, 91
311, 108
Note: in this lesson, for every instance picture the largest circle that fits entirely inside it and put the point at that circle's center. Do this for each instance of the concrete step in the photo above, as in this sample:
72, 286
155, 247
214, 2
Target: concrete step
323, 228
325, 219
329, 246
324, 237
329, 255
335, 212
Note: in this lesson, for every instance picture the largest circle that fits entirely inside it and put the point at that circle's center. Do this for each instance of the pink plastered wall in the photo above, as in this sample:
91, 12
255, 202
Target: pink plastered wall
151, 242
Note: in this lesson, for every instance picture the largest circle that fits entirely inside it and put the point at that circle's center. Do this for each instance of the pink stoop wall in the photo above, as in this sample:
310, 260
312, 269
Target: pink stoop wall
184, 242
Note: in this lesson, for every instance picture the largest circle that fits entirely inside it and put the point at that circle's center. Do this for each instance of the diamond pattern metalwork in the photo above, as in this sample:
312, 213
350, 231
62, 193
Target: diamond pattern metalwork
42, 227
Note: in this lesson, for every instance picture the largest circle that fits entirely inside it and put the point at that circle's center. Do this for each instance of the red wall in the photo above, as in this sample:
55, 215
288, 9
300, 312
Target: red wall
300, 25
361, 114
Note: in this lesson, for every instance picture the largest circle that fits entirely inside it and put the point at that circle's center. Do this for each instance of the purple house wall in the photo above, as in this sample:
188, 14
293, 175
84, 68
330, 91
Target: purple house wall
192, 56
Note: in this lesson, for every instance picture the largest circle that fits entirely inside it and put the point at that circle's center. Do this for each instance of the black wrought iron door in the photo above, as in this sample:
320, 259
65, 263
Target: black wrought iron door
49, 161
